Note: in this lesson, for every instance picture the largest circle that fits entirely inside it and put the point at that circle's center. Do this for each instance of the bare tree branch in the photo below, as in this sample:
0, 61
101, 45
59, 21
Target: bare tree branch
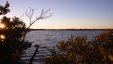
30, 14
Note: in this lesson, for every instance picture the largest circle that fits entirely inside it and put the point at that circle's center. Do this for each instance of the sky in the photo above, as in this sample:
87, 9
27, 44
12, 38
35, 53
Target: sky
66, 14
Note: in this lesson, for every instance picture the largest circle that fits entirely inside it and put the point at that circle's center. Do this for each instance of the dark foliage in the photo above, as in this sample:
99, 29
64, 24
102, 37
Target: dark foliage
12, 37
79, 50
4, 9
14, 43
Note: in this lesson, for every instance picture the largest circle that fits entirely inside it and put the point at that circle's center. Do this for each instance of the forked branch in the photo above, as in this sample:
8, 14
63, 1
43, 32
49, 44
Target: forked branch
30, 14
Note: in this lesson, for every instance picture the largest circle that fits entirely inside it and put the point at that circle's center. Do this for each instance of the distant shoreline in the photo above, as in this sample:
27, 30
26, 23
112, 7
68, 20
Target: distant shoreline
74, 29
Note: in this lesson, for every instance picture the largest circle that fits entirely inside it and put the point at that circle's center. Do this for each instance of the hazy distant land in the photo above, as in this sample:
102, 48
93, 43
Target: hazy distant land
75, 29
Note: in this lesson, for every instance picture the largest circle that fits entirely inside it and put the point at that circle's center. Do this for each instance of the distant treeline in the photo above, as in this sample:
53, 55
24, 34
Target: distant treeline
75, 29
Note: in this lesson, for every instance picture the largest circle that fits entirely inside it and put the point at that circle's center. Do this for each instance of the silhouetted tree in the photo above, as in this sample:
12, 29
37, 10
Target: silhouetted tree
12, 42
12, 35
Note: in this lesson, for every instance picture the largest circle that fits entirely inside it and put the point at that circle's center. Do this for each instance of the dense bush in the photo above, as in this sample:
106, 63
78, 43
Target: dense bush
12, 39
79, 50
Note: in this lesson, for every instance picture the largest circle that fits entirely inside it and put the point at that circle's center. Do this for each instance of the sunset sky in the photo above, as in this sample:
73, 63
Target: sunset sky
67, 14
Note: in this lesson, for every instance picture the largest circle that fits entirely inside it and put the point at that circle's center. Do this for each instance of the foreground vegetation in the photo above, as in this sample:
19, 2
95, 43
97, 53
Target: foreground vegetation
13, 32
12, 37
80, 50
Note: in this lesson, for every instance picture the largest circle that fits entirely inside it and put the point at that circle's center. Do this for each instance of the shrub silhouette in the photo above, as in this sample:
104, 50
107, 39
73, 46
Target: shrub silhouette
79, 50
14, 43
12, 37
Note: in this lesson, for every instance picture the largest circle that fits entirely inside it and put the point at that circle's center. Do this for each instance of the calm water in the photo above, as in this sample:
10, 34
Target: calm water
50, 38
